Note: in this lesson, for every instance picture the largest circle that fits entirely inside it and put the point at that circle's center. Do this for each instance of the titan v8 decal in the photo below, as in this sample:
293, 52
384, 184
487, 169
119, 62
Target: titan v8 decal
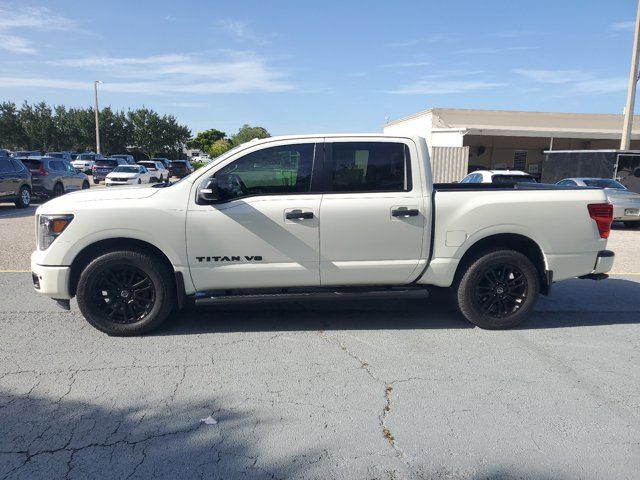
233, 258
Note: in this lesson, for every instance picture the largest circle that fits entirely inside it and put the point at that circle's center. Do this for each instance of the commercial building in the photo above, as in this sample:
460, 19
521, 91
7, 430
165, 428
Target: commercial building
459, 139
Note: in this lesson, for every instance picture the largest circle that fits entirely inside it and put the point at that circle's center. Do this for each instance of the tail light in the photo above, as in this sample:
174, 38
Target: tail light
602, 213
94, 168
42, 172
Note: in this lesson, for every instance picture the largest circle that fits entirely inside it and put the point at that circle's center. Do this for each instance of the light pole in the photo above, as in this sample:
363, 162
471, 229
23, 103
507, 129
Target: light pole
95, 92
625, 144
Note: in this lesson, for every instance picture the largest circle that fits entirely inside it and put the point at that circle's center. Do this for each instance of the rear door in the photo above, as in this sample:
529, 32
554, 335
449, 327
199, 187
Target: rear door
373, 214
7, 174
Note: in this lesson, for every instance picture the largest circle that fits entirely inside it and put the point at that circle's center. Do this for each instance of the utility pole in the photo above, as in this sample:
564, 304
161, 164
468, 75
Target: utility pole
625, 144
95, 91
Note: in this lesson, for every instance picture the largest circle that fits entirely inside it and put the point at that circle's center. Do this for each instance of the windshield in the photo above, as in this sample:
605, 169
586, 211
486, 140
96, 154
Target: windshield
513, 179
603, 183
106, 163
148, 164
126, 169
85, 156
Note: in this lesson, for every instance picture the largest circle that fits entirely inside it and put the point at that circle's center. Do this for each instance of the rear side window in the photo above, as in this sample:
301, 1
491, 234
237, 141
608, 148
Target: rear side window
18, 166
6, 166
370, 167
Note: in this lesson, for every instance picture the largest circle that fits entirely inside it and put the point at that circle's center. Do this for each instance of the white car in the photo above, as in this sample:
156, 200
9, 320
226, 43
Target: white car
84, 162
626, 204
498, 176
157, 170
128, 175
293, 217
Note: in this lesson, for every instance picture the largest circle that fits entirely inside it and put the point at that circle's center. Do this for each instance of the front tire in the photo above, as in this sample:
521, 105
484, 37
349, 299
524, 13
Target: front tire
58, 190
126, 292
85, 185
498, 290
96, 182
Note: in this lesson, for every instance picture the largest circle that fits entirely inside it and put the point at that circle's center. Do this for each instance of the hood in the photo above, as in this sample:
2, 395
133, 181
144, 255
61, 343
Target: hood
68, 201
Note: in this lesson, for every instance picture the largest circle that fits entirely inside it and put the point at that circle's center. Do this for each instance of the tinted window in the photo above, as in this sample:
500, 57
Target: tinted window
276, 170
86, 156
106, 163
148, 164
5, 166
512, 179
33, 165
17, 165
370, 167
567, 183
603, 183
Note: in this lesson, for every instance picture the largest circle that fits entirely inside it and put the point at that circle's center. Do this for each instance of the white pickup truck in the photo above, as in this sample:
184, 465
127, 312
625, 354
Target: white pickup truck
303, 215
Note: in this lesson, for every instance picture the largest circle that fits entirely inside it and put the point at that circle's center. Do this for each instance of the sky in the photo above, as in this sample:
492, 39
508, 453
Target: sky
317, 67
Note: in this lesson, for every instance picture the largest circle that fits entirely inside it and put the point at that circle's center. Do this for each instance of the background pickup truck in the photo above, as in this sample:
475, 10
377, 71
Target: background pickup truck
296, 216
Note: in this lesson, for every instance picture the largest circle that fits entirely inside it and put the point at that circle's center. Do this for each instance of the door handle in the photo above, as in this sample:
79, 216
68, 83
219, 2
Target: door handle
405, 212
298, 215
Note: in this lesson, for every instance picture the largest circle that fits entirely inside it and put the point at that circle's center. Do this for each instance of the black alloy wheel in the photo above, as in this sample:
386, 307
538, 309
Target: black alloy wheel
124, 294
501, 291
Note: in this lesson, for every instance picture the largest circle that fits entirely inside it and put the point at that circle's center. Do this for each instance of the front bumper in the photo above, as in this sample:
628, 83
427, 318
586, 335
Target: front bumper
108, 182
51, 281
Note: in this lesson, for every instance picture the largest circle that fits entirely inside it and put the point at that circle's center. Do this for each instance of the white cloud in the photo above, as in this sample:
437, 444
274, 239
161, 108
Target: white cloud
14, 44
603, 85
404, 43
434, 86
553, 76
25, 19
408, 64
167, 74
620, 26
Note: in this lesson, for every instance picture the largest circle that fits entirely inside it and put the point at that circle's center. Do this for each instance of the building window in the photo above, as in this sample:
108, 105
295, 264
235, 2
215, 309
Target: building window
520, 160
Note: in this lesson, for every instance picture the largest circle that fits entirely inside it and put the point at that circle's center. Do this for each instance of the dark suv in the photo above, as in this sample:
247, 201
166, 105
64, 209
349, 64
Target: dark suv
180, 168
105, 166
15, 182
51, 177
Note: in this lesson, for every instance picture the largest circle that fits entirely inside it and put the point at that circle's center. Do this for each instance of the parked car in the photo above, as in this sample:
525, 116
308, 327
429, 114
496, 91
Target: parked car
4, 153
26, 153
85, 162
63, 155
180, 168
324, 214
158, 171
128, 175
52, 177
498, 176
626, 204
128, 158
165, 161
104, 167
15, 182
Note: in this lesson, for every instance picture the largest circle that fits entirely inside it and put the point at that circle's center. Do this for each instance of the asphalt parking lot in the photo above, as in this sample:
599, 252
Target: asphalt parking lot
374, 389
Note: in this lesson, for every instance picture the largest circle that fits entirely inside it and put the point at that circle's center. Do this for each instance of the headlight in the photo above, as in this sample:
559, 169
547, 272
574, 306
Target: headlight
50, 227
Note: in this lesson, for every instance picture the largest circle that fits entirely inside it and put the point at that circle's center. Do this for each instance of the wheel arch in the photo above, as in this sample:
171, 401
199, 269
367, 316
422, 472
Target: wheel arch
512, 241
93, 250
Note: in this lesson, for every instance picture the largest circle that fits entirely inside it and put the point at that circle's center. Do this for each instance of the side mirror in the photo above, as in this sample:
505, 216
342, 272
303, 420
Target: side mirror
209, 192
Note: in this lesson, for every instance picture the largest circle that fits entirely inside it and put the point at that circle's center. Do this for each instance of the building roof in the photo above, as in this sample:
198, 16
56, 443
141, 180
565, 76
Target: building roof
526, 124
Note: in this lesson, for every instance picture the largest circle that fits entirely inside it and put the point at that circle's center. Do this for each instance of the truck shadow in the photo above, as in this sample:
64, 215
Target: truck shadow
573, 303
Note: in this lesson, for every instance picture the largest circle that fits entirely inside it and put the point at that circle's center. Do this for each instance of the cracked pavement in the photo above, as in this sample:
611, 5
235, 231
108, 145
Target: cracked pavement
374, 389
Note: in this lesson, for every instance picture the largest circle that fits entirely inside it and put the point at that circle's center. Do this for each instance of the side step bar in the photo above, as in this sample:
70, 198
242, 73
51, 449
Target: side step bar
201, 299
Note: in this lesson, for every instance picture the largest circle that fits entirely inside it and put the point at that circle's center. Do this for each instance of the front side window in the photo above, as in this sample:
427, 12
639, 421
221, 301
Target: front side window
370, 167
276, 170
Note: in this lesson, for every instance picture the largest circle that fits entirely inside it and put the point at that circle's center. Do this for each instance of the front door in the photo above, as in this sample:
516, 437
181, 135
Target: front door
373, 215
265, 232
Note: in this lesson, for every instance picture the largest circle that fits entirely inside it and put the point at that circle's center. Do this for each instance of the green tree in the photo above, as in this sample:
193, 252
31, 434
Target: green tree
247, 132
218, 148
204, 140
37, 122
154, 135
12, 135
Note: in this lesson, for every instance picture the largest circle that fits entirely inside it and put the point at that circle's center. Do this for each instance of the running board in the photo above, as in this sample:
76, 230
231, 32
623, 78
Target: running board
201, 299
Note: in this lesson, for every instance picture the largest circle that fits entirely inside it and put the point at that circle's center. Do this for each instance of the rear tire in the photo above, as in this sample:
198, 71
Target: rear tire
24, 197
85, 185
126, 292
58, 190
632, 224
498, 290
139, 181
